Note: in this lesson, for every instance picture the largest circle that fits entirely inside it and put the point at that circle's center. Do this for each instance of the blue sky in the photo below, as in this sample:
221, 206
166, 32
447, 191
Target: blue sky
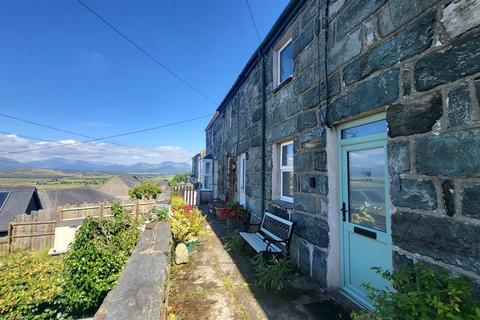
59, 65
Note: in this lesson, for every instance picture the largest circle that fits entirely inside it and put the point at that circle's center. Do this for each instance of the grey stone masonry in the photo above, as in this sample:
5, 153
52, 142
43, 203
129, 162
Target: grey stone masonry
416, 115
140, 292
417, 62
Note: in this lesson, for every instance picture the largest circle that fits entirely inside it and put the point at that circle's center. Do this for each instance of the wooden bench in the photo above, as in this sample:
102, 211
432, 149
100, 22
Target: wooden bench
273, 236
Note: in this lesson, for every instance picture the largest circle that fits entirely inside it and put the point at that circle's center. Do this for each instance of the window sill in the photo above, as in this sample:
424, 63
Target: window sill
283, 84
282, 204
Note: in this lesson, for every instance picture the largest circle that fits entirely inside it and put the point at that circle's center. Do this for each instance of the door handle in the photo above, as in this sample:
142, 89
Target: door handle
344, 211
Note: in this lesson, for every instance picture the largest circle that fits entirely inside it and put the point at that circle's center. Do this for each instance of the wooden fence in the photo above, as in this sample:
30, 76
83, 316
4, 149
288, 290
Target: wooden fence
188, 193
36, 231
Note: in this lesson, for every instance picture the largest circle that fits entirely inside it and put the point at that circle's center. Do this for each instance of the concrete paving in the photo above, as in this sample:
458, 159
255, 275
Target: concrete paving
218, 284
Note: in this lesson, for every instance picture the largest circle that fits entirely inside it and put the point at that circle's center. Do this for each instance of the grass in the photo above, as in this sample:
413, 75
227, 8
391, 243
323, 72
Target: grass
234, 243
44, 179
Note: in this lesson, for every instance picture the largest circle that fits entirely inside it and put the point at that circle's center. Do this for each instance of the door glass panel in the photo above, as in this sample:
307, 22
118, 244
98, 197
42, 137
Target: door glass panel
287, 186
366, 185
365, 129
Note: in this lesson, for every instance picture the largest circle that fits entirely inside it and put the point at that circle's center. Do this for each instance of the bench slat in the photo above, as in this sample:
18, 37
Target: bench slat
255, 240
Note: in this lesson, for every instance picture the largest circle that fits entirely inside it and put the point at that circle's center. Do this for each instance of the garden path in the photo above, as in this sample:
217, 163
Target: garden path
218, 284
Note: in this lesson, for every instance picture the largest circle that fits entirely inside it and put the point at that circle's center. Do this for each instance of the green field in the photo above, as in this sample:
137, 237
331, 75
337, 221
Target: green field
55, 179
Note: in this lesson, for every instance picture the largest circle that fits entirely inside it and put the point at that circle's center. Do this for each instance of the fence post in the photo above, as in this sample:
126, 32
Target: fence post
10, 234
101, 210
136, 209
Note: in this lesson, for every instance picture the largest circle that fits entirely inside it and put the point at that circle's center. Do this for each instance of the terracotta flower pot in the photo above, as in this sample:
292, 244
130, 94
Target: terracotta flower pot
221, 213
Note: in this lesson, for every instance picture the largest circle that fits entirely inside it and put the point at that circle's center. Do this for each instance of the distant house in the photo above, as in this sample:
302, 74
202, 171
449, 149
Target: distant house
201, 178
73, 196
195, 177
118, 185
15, 201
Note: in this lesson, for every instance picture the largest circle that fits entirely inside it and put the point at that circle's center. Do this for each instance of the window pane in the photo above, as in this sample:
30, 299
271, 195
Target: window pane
287, 184
365, 129
207, 167
366, 184
207, 182
286, 62
287, 155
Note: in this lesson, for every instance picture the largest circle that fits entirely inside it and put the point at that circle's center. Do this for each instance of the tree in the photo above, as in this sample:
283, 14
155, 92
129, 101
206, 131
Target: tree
179, 178
145, 190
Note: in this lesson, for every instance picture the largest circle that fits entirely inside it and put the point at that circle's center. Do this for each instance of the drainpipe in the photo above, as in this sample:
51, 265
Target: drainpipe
326, 22
263, 153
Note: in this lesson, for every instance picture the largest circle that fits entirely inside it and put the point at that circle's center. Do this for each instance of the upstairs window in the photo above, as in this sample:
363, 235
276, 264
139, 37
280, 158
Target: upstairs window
283, 59
285, 62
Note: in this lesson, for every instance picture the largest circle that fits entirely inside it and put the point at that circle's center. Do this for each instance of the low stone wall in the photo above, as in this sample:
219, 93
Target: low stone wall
141, 291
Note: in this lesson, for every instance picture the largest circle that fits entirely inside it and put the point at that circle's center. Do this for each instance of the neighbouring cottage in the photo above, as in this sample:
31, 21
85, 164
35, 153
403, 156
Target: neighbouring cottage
118, 185
196, 160
201, 178
15, 201
359, 120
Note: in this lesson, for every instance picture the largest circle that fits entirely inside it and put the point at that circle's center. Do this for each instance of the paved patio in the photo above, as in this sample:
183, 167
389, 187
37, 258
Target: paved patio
218, 284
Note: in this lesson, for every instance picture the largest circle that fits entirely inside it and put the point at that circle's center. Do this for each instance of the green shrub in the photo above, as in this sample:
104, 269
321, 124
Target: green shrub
96, 258
272, 272
30, 286
187, 223
234, 242
421, 293
161, 214
179, 178
146, 190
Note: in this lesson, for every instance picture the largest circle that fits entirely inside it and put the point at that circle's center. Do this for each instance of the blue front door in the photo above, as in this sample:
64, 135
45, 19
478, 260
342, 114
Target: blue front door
365, 216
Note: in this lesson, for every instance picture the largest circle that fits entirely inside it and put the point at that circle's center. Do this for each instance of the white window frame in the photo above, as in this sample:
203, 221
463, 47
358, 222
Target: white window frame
283, 169
204, 173
278, 52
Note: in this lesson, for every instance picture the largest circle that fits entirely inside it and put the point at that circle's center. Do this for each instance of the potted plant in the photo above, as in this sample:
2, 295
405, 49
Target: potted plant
187, 222
221, 213
220, 210
238, 214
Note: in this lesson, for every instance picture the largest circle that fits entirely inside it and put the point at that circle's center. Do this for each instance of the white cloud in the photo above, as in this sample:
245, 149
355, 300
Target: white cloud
91, 151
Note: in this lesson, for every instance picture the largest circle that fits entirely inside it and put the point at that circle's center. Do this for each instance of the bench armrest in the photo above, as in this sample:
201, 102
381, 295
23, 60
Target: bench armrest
268, 239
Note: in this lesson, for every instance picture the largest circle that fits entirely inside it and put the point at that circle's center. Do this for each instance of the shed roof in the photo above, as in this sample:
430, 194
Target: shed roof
74, 196
130, 180
16, 203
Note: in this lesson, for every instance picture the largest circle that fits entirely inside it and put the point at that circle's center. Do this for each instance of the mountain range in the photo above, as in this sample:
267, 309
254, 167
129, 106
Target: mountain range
167, 167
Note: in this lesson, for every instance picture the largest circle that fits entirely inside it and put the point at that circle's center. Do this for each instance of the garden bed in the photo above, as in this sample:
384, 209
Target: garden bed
36, 286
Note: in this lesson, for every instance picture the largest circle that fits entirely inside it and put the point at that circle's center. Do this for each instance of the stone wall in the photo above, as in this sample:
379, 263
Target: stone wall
417, 60
141, 290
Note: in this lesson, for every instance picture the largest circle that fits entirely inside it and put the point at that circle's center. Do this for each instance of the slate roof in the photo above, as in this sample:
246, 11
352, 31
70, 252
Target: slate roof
18, 202
129, 180
73, 196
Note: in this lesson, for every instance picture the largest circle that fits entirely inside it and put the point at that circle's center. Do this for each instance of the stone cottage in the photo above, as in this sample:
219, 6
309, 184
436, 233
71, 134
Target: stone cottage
359, 120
